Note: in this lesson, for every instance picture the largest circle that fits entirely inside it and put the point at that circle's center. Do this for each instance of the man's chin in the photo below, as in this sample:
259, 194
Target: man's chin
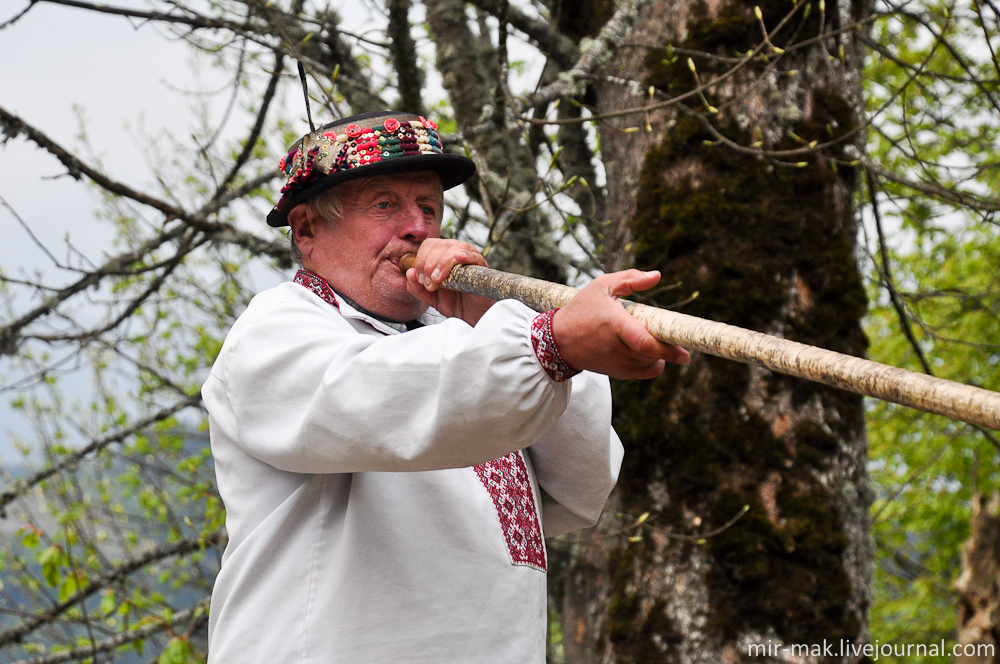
398, 304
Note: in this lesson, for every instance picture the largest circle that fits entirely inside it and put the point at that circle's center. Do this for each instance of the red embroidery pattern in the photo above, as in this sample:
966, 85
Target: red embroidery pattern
546, 350
317, 285
506, 480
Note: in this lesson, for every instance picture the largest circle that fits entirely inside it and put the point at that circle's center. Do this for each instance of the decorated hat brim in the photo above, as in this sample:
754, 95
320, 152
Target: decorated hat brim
453, 170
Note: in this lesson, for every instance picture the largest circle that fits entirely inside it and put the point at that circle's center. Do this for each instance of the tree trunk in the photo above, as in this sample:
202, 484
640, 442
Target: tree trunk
524, 243
769, 247
979, 585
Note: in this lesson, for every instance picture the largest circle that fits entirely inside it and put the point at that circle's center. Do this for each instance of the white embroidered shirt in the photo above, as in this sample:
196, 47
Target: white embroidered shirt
387, 493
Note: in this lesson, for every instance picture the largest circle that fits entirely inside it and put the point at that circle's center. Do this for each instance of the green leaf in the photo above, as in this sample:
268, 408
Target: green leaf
31, 539
51, 560
179, 651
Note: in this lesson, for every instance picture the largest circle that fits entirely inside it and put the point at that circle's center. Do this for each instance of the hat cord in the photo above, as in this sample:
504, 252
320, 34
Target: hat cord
305, 93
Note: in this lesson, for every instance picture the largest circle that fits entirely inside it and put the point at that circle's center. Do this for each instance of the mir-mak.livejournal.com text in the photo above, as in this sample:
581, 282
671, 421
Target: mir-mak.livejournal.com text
845, 648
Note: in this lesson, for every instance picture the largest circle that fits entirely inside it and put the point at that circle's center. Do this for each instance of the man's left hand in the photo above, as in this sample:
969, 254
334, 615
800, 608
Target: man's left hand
433, 264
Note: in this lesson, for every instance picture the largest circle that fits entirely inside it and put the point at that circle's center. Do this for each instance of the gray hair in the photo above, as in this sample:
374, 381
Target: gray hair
326, 206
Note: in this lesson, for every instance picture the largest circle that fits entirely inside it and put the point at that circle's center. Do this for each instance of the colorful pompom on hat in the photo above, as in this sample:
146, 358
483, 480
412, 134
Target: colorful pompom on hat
378, 143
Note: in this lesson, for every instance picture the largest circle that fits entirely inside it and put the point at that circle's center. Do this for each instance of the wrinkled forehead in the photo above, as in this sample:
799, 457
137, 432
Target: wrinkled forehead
419, 183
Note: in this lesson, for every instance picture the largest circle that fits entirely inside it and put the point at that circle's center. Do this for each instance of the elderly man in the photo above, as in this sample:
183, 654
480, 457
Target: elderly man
392, 454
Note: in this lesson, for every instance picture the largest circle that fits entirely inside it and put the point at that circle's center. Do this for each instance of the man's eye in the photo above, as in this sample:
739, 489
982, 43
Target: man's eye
382, 205
429, 211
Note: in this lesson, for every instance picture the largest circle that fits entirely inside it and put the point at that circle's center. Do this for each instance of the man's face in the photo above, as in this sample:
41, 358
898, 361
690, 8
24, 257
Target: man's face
384, 218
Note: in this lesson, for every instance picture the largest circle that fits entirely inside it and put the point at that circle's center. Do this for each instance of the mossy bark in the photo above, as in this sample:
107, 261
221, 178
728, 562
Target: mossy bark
767, 247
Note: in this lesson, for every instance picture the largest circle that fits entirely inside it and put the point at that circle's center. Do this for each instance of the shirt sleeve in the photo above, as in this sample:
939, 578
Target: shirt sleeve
577, 462
298, 388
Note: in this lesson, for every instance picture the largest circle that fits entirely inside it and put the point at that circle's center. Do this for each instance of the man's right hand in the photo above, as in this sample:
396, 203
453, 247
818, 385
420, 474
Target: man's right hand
595, 333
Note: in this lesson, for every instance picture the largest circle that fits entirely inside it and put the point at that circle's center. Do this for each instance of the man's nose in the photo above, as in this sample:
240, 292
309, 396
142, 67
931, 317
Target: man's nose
413, 226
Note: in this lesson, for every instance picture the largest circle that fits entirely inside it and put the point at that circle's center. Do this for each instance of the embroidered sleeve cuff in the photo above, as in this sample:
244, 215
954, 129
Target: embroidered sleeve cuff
546, 350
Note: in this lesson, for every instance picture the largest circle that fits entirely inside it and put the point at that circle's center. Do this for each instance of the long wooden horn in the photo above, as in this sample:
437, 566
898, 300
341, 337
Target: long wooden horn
966, 403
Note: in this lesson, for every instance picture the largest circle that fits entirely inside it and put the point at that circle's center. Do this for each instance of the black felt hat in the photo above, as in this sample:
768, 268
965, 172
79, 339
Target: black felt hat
378, 143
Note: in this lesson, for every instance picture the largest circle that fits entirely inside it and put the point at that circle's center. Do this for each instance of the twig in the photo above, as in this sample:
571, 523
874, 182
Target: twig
897, 303
34, 238
251, 142
21, 486
917, 473
607, 42
14, 19
197, 613
180, 547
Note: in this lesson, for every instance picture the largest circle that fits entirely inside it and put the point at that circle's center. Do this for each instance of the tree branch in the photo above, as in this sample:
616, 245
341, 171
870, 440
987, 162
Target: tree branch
13, 126
897, 303
403, 52
16, 17
180, 547
194, 21
21, 486
258, 127
10, 333
593, 55
197, 615
541, 33
935, 190
462, 76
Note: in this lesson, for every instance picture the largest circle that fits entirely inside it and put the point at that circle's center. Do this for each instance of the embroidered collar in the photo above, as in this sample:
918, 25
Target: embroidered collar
320, 287
317, 285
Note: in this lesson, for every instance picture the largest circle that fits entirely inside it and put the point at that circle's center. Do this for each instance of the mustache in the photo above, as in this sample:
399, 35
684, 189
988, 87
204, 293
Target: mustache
396, 253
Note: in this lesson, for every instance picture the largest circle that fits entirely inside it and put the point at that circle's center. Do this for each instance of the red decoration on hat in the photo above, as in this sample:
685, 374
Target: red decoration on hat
429, 124
391, 125
332, 135
353, 130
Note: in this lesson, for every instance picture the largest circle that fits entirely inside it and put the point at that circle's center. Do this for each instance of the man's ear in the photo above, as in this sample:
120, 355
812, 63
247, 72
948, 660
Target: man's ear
303, 224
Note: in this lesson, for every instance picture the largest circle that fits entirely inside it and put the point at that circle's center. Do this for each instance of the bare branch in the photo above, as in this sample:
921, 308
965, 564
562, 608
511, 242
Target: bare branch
14, 19
10, 333
607, 43
935, 190
187, 246
541, 33
192, 20
251, 142
904, 319
27, 229
13, 126
888, 281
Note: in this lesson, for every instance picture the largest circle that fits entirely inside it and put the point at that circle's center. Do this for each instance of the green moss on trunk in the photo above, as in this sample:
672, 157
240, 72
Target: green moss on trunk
771, 249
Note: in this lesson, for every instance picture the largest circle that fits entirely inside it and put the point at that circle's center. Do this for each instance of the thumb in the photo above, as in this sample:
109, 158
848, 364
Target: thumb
625, 283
